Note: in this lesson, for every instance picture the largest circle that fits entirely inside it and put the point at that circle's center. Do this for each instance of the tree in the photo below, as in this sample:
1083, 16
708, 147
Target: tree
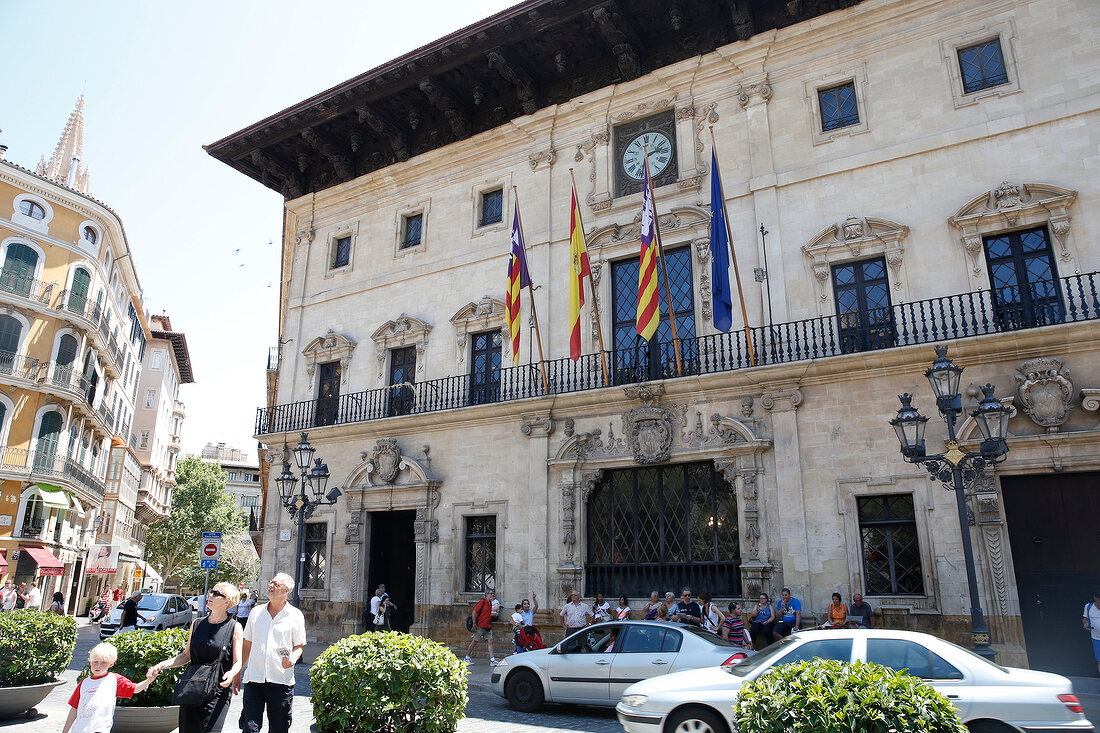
199, 504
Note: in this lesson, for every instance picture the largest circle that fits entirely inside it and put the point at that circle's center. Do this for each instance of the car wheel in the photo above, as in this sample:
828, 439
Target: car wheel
524, 691
696, 720
987, 726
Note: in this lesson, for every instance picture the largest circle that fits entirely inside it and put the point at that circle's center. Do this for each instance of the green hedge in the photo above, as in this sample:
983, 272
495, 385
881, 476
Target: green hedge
140, 650
34, 646
388, 682
825, 696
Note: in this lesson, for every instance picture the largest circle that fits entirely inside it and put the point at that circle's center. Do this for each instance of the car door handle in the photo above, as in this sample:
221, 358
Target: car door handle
952, 697
658, 661
602, 662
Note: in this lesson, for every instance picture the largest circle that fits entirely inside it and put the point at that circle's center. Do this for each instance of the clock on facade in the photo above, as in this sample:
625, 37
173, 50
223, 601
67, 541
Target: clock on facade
653, 138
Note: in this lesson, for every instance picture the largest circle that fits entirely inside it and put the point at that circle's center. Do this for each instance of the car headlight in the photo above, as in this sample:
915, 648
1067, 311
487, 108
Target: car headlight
635, 701
502, 663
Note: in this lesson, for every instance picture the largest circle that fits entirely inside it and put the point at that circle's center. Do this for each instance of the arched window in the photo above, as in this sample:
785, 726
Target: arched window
78, 293
31, 209
20, 266
66, 350
49, 432
663, 527
90, 235
10, 331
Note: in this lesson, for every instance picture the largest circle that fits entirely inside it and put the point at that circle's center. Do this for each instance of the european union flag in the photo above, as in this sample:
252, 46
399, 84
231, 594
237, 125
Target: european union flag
719, 252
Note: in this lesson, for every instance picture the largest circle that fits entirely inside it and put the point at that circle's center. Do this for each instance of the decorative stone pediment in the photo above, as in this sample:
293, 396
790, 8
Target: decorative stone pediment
384, 465
405, 330
330, 347
1045, 392
858, 238
1011, 206
682, 218
486, 314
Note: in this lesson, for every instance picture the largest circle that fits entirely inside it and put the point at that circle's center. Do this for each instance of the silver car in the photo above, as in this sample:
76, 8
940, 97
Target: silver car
595, 665
990, 698
155, 611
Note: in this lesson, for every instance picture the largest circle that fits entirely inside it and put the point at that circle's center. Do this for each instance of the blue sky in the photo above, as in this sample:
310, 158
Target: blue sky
161, 80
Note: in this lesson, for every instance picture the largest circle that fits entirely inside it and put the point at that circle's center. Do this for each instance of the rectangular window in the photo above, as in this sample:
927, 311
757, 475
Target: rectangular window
863, 311
485, 360
316, 547
492, 207
402, 400
150, 398
982, 66
413, 226
341, 252
891, 552
157, 360
144, 439
838, 107
481, 554
232, 476
1026, 291
250, 501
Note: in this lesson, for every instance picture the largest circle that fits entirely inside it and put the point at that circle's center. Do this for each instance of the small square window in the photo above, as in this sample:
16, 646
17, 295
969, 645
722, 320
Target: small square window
341, 252
982, 66
838, 107
413, 227
492, 207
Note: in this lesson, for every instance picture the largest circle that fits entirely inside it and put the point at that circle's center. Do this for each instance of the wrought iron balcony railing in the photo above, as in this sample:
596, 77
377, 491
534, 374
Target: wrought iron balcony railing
65, 377
950, 317
26, 287
17, 365
48, 463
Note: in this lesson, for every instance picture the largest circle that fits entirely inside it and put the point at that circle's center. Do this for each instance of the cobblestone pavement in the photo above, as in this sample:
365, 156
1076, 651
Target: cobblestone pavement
485, 713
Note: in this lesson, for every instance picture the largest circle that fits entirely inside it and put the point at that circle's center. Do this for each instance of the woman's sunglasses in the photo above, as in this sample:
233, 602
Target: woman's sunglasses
217, 594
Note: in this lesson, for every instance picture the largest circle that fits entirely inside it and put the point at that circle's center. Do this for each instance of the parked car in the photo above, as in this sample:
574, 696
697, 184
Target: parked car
194, 601
595, 665
155, 611
990, 698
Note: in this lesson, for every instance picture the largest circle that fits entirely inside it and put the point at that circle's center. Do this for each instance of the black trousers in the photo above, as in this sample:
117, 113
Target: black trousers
275, 697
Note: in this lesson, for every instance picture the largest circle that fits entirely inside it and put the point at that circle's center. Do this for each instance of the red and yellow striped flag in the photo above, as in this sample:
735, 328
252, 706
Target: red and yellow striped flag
518, 277
649, 311
578, 268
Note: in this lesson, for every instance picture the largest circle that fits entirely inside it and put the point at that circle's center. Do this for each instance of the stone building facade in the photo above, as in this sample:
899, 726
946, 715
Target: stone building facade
896, 174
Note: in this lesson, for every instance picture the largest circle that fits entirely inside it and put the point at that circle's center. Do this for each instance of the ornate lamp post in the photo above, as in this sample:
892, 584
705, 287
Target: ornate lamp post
954, 468
298, 501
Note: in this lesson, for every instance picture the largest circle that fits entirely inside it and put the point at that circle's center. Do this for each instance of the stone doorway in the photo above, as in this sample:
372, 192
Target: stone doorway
393, 562
1054, 530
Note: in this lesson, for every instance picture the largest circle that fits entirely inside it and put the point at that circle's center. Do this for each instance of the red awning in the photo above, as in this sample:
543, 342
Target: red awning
3, 561
47, 563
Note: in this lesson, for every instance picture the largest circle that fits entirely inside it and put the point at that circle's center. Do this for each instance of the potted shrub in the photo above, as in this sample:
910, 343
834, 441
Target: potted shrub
386, 682
825, 696
151, 711
34, 648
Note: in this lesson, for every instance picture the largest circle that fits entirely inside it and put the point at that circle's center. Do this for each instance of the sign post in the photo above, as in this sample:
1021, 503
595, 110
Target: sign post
210, 549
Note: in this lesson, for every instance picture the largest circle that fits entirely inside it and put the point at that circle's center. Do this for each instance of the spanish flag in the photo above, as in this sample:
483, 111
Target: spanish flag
578, 269
518, 278
649, 312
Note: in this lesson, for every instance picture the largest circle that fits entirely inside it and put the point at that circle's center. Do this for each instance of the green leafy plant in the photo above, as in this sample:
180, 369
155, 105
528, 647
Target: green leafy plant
388, 682
34, 646
825, 696
140, 650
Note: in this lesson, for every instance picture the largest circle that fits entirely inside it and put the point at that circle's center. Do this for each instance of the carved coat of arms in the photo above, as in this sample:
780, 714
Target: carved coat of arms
1046, 394
649, 433
386, 459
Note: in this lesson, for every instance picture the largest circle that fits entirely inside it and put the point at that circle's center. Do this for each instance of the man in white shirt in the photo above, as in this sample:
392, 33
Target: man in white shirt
1091, 621
273, 639
34, 596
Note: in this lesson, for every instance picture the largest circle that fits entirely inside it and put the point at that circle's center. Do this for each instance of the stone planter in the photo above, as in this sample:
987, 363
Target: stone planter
147, 720
16, 701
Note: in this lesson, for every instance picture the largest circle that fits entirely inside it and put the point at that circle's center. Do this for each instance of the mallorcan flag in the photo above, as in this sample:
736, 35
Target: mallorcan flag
649, 312
518, 278
578, 269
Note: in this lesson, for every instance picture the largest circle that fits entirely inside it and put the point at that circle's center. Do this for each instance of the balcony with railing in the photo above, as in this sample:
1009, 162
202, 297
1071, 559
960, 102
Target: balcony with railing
65, 378
926, 321
89, 315
26, 288
18, 366
48, 465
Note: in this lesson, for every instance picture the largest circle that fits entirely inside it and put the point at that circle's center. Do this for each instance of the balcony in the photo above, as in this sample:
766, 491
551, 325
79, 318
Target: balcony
76, 308
64, 378
18, 366
150, 508
48, 465
27, 289
935, 320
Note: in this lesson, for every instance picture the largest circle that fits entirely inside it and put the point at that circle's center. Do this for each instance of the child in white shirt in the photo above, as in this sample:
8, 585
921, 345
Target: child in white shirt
93, 701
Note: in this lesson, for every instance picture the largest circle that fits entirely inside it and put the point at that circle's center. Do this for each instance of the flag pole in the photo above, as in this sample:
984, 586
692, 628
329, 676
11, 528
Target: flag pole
733, 254
531, 293
592, 287
664, 270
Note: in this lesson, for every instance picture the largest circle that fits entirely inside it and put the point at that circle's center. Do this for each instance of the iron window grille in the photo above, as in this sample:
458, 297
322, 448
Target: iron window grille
316, 546
414, 224
663, 527
891, 551
982, 66
838, 107
341, 252
481, 554
492, 207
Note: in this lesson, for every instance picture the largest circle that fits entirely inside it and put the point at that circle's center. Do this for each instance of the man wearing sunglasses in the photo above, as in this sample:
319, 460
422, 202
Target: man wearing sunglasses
273, 641
687, 611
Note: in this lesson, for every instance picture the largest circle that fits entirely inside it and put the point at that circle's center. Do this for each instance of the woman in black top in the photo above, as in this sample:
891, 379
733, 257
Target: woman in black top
205, 645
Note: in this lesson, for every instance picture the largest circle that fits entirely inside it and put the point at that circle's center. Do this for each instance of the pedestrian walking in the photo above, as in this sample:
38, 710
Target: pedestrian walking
1091, 621
130, 613
384, 620
92, 704
8, 596
58, 605
274, 639
372, 610
214, 640
244, 607
34, 596
483, 627
21, 596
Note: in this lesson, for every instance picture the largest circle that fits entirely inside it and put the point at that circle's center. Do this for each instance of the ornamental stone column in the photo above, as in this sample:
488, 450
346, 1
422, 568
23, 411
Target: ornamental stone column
790, 523
537, 426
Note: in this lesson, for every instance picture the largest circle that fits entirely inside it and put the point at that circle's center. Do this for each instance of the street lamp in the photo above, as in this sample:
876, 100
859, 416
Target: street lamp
954, 468
298, 501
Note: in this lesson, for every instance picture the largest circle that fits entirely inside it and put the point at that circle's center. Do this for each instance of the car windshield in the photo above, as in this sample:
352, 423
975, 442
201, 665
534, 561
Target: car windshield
710, 636
152, 603
763, 659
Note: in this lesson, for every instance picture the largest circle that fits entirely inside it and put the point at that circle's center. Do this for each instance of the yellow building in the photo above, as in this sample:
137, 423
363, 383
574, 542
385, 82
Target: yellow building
72, 336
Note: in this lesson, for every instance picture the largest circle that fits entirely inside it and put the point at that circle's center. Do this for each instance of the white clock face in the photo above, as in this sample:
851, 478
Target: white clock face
656, 146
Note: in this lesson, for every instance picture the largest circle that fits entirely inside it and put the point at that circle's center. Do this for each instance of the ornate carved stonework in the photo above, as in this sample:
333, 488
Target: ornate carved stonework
1090, 400
781, 398
1045, 391
479, 315
757, 93
568, 522
387, 459
649, 431
549, 157
682, 218
537, 426
404, 330
647, 394
851, 239
330, 347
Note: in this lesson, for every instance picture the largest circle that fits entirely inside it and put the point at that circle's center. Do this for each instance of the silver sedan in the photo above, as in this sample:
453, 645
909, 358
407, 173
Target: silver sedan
595, 665
990, 698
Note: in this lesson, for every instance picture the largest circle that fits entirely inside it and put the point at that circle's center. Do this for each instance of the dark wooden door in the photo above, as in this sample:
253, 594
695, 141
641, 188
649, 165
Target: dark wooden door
1054, 530
328, 393
393, 562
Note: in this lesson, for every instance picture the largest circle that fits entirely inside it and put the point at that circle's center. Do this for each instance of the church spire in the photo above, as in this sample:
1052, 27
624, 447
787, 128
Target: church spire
65, 165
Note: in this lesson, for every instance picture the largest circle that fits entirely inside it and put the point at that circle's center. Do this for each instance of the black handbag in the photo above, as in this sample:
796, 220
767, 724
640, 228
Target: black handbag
199, 682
